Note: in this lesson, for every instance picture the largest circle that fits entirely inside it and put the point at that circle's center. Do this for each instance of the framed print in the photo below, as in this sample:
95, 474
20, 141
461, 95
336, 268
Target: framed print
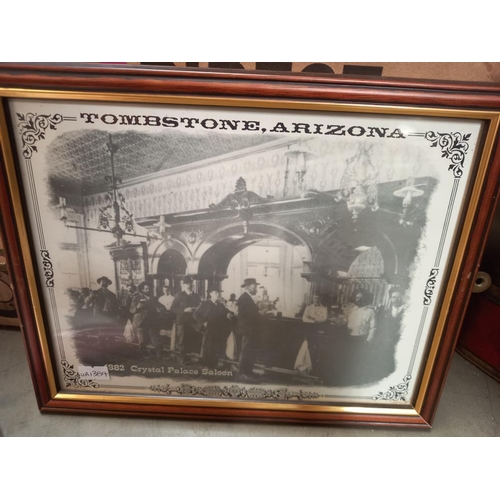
207, 244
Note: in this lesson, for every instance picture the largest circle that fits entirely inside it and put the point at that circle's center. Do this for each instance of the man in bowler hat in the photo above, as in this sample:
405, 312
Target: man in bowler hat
249, 325
184, 304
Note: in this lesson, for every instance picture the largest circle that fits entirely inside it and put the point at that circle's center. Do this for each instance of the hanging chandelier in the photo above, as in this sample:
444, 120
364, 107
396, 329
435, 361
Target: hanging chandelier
301, 155
408, 193
358, 186
114, 216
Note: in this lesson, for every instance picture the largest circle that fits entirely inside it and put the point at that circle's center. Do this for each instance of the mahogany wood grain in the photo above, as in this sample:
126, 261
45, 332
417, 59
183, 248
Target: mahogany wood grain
244, 415
249, 84
90, 69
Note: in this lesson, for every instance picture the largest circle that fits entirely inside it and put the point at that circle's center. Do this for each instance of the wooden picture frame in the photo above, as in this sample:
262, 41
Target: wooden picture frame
8, 313
346, 215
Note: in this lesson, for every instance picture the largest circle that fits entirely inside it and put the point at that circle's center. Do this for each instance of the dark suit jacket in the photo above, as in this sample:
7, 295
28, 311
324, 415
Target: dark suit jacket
143, 309
215, 315
105, 303
181, 301
249, 319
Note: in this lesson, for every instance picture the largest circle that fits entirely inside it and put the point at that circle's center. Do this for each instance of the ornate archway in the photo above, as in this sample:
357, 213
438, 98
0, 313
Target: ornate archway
319, 226
168, 263
219, 248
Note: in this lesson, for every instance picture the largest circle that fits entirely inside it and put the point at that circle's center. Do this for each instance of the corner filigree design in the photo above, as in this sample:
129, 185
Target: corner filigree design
48, 269
396, 392
453, 146
233, 391
32, 128
72, 377
429, 286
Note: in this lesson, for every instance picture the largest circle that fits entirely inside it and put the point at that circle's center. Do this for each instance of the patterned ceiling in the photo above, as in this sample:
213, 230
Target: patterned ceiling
79, 161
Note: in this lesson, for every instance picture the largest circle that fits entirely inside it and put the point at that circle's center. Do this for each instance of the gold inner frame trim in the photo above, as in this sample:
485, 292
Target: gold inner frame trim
493, 122
403, 410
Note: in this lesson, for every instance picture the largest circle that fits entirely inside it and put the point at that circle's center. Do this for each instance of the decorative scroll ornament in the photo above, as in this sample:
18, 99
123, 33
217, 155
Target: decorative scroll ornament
48, 269
192, 238
396, 392
233, 391
241, 202
241, 199
429, 286
72, 377
453, 146
32, 128
317, 227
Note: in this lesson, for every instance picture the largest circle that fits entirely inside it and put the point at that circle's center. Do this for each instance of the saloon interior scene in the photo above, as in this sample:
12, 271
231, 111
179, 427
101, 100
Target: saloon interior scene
254, 257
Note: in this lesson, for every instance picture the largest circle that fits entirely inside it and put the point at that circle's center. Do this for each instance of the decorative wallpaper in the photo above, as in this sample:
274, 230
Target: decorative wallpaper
268, 172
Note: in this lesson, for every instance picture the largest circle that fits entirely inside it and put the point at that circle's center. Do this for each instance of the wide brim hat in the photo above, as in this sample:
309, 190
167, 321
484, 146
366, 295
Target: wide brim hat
250, 281
187, 280
210, 290
104, 278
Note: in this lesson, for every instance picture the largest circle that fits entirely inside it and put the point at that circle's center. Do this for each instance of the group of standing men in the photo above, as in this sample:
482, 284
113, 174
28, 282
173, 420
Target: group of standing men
362, 346
216, 321
211, 318
96, 308
148, 320
145, 319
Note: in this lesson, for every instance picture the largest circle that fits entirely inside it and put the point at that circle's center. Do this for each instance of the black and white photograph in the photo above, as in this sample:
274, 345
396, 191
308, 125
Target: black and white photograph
241, 252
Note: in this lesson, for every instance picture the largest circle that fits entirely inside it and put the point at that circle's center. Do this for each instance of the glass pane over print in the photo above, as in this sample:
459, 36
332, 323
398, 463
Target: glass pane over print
242, 254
